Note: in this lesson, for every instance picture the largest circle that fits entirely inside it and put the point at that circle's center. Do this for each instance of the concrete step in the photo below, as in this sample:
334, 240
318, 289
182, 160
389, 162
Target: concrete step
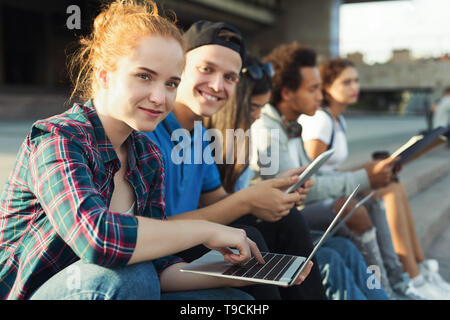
423, 172
427, 183
431, 211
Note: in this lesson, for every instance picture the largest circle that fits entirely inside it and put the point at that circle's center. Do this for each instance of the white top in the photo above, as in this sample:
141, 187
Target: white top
131, 210
320, 127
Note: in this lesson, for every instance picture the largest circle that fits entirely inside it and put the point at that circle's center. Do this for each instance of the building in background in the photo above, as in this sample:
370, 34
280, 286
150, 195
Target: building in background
35, 38
402, 85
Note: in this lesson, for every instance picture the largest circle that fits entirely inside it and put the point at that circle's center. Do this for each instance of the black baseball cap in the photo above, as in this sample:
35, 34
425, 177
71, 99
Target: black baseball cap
205, 32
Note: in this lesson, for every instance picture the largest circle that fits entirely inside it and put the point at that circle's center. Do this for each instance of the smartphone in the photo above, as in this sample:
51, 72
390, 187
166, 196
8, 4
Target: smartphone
312, 168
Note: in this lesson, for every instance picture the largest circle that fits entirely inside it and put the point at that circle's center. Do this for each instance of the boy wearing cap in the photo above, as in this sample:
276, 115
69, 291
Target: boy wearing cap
213, 61
208, 81
215, 55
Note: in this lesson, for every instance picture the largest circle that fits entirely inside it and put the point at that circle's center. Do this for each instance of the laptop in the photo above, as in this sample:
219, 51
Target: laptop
344, 220
279, 269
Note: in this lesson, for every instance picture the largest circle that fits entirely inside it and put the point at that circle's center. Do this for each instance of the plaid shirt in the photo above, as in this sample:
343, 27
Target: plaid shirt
54, 207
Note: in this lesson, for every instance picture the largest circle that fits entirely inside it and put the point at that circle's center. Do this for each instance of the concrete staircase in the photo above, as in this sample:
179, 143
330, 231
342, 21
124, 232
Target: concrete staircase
426, 179
427, 182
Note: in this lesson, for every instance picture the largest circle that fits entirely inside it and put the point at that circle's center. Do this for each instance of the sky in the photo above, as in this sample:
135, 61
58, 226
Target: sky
376, 28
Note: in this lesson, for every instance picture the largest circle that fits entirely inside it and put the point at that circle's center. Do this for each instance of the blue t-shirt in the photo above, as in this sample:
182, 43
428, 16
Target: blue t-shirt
244, 179
189, 168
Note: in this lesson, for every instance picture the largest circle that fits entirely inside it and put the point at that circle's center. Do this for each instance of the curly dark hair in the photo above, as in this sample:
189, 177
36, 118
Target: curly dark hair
287, 59
329, 71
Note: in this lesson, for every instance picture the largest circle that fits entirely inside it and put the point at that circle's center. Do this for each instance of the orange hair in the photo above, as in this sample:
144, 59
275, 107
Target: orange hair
116, 31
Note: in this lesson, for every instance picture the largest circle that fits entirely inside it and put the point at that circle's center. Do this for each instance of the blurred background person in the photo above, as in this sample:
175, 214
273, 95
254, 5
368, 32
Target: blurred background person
327, 129
441, 114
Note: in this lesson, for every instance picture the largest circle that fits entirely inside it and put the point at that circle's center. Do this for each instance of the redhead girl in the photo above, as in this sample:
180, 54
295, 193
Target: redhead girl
82, 215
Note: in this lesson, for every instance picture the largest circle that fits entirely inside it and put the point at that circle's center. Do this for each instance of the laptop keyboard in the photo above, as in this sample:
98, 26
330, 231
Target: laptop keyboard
274, 268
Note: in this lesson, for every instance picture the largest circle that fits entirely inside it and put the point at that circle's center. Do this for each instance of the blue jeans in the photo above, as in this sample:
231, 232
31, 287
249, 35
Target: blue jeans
83, 281
344, 272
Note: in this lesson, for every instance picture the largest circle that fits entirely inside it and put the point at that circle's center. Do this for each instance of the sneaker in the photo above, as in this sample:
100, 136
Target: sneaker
412, 293
422, 288
405, 291
430, 270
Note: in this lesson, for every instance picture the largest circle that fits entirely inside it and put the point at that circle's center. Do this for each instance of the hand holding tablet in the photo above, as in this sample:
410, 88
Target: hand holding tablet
312, 168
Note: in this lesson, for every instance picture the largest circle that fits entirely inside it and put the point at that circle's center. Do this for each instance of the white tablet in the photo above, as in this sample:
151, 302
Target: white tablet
311, 169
